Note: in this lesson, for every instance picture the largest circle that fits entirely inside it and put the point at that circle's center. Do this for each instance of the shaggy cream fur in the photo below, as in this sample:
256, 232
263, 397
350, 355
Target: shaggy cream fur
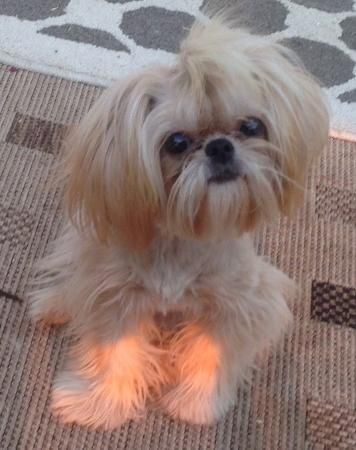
156, 268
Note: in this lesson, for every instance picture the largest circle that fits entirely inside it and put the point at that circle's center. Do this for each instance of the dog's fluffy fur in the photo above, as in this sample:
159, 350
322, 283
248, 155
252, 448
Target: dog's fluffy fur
156, 268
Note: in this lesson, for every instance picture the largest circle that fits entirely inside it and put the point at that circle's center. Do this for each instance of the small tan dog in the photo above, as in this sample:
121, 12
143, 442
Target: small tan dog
166, 178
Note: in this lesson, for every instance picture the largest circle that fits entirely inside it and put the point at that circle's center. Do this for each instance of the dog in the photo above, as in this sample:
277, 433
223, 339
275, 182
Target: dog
167, 178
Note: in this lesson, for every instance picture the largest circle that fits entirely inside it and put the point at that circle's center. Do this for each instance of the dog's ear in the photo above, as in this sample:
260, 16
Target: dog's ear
109, 192
298, 115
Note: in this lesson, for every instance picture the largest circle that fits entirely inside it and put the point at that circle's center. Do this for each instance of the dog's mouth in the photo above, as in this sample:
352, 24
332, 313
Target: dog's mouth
224, 176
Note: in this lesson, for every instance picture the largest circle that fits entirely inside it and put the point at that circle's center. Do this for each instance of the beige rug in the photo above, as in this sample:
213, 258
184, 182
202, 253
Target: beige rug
303, 395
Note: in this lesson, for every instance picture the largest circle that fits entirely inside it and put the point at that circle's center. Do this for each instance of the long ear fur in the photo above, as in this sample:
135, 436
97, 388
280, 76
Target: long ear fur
109, 193
296, 95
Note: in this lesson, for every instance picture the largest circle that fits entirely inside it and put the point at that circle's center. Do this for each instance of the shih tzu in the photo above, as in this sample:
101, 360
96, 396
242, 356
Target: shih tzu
167, 177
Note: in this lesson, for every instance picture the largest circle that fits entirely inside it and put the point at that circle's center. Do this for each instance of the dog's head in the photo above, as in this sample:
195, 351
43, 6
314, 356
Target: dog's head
204, 149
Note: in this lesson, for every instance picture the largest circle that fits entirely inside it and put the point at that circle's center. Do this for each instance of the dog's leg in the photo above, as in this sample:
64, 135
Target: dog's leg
109, 383
211, 357
206, 377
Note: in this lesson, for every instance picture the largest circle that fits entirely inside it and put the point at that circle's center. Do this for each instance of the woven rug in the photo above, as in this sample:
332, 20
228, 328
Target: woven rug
301, 396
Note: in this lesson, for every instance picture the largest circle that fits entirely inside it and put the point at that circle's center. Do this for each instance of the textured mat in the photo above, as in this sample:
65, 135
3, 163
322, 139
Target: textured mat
302, 396
99, 40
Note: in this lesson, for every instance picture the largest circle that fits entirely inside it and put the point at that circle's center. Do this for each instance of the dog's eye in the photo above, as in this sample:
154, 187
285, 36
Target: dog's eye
253, 128
177, 143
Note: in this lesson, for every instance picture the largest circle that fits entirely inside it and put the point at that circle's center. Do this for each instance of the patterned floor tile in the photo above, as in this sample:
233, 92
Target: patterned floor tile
330, 426
33, 10
336, 204
348, 27
16, 225
327, 5
329, 64
85, 35
156, 28
100, 40
35, 133
333, 303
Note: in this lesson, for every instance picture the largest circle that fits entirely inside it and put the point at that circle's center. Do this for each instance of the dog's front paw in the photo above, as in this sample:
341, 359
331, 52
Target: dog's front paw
196, 405
98, 404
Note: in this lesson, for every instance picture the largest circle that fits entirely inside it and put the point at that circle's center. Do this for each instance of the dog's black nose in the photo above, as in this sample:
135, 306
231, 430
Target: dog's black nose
220, 151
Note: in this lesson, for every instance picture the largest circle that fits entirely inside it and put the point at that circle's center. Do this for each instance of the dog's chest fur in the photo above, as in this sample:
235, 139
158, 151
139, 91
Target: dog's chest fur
174, 269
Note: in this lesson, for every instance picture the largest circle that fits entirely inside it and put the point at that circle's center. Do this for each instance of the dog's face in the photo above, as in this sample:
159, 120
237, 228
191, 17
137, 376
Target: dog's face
205, 149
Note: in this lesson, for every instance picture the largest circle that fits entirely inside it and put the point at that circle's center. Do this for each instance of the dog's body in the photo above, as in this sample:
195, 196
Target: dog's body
156, 268
223, 297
